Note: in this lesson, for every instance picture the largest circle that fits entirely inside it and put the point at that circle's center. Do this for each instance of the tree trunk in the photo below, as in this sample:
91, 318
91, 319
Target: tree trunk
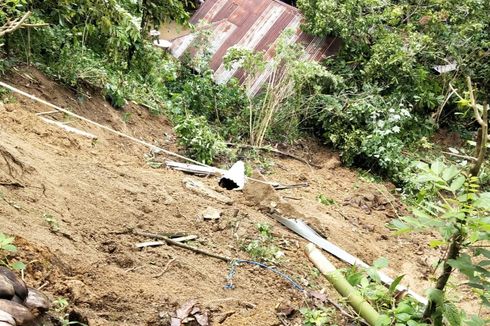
481, 146
453, 253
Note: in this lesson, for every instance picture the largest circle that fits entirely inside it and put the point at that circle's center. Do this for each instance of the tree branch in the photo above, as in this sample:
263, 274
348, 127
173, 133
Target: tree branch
473, 103
13, 25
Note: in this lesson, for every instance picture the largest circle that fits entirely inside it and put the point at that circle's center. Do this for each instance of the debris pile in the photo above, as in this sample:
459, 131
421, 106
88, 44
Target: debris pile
19, 304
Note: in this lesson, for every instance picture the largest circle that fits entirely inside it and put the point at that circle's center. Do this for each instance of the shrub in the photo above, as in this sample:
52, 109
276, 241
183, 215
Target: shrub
202, 142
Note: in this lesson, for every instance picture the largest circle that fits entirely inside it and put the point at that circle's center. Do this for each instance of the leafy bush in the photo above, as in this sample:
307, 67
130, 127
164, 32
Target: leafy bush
371, 131
202, 143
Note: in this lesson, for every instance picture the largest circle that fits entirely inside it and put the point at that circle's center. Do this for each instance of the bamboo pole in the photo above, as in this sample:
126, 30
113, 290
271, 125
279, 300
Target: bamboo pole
335, 277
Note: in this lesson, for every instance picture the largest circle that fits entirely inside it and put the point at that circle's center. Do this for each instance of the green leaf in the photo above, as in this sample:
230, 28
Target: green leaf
457, 183
482, 251
483, 201
437, 167
450, 173
395, 283
399, 226
381, 262
18, 265
475, 321
373, 274
9, 247
452, 314
436, 296
463, 264
383, 320
436, 243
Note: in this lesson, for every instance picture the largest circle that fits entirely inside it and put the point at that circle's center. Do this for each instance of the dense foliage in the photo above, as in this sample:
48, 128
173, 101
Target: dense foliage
393, 96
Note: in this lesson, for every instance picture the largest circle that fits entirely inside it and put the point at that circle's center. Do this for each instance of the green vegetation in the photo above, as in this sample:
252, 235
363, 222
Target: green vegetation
378, 102
60, 306
317, 317
392, 97
7, 247
451, 203
263, 248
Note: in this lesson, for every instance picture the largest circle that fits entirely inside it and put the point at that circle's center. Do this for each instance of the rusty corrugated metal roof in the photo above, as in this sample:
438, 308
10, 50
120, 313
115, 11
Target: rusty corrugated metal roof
254, 25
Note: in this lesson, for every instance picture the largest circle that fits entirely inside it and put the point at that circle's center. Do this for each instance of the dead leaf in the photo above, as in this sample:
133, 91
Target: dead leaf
202, 319
185, 309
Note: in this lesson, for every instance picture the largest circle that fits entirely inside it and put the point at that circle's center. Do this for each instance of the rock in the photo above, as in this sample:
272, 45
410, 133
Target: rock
6, 318
20, 313
6, 288
211, 213
20, 287
37, 300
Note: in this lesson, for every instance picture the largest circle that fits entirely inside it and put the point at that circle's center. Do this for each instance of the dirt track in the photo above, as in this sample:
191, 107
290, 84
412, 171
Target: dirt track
97, 190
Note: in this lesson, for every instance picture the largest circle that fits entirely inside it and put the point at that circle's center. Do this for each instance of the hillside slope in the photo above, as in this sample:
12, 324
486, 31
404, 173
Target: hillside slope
96, 191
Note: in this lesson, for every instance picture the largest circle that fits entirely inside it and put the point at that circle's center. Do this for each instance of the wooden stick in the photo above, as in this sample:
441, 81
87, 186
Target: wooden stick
334, 276
165, 268
293, 186
273, 150
460, 156
181, 245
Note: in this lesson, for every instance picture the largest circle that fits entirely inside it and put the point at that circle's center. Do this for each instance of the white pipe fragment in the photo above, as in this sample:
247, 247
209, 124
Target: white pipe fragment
309, 234
234, 178
161, 243
69, 129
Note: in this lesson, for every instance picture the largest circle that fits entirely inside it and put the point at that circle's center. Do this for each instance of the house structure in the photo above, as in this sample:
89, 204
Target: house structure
252, 24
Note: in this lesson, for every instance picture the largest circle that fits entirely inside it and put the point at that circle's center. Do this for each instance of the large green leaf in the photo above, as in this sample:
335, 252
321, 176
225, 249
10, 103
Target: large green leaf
457, 183
450, 173
463, 264
483, 201
437, 167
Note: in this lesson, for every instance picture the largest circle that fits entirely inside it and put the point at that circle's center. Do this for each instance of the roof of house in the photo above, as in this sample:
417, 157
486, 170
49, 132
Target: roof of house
251, 24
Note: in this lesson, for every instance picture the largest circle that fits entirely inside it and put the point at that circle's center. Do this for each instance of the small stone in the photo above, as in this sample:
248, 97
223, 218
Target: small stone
211, 213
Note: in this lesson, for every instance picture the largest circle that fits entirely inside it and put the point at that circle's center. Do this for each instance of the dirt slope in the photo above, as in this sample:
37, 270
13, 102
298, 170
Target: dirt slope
97, 190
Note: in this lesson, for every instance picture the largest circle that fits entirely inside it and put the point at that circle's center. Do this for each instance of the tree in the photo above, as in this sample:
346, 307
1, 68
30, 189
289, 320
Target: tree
452, 203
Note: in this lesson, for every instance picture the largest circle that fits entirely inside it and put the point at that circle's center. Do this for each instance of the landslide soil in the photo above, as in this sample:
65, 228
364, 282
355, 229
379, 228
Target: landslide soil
96, 191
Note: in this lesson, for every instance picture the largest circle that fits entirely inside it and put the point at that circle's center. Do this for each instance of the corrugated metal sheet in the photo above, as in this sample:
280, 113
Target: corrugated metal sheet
252, 24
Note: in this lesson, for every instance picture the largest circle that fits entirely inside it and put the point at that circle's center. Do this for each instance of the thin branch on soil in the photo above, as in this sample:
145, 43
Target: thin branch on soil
43, 286
165, 268
293, 186
273, 150
460, 156
12, 184
133, 269
244, 303
292, 198
181, 245
283, 320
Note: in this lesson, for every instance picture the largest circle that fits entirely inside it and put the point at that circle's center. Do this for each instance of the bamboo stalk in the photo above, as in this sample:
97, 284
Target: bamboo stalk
335, 277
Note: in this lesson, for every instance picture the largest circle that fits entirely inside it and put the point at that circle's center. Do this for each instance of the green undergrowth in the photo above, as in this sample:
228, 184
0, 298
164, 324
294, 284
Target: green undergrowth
380, 118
